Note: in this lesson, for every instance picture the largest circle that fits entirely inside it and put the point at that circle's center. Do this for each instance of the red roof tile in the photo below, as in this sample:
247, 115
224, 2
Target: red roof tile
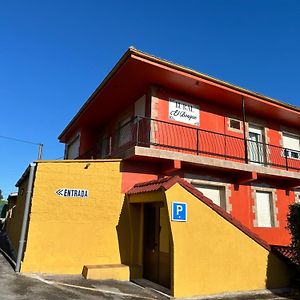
168, 182
287, 252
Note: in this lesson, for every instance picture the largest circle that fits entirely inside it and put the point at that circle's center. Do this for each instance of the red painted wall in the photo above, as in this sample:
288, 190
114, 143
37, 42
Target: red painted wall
242, 208
212, 118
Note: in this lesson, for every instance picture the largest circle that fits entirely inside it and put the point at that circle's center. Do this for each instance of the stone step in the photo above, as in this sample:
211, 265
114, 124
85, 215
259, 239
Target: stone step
109, 271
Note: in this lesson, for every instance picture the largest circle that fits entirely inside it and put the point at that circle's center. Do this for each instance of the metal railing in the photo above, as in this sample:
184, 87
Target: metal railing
157, 134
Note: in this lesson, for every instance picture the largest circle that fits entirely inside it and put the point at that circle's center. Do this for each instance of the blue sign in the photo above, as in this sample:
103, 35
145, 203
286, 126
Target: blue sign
179, 211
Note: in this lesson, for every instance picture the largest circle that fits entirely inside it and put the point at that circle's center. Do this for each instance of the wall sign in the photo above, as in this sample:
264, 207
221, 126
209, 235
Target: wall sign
72, 193
179, 211
184, 112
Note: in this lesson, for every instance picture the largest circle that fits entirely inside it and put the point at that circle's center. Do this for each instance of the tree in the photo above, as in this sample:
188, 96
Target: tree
294, 228
1, 195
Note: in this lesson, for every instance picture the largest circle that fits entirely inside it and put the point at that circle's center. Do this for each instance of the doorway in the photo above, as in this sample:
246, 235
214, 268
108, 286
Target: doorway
256, 145
156, 245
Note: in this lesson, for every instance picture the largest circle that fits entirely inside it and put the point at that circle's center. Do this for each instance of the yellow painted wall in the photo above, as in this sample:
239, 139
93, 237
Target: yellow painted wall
211, 255
67, 233
14, 222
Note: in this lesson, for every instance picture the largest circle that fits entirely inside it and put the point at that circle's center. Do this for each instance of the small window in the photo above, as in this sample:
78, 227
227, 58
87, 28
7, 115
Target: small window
291, 144
215, 193
235, 125
297, 196
264, 209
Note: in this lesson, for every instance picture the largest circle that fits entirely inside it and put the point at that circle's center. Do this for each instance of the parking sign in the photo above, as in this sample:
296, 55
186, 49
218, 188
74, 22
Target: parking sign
179, 211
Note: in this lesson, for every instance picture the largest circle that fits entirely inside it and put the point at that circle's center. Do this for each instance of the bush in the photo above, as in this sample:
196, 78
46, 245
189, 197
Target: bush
293, 219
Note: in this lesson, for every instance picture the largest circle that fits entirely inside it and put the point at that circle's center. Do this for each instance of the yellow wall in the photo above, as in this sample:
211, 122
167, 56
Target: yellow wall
14, 222
211, 255
67, 233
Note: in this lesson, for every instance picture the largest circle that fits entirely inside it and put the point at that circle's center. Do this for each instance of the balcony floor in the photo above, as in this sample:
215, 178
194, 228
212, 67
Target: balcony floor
292, 179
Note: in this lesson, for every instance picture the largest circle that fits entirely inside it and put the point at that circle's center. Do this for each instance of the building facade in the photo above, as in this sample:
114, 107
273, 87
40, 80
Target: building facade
239, 148
169, 175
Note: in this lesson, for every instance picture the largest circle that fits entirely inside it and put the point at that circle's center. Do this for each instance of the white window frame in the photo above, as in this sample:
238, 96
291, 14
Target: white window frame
195, 180
288, 152
274, 209
229, 119
220, 188
259, 155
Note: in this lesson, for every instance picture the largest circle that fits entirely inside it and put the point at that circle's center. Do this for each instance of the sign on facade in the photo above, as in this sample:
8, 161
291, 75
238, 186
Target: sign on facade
184, 112
179, 211
72, 193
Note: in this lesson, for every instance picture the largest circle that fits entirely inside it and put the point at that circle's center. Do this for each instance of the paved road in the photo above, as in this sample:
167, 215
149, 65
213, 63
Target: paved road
15, 286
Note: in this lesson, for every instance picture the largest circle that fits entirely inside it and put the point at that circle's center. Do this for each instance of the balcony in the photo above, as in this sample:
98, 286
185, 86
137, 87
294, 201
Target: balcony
156, 135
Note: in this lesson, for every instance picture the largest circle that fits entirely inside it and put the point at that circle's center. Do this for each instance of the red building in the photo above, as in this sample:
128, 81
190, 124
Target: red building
239, 148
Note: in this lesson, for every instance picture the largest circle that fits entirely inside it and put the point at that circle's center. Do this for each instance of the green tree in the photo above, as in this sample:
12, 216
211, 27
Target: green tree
1, 195
294, 228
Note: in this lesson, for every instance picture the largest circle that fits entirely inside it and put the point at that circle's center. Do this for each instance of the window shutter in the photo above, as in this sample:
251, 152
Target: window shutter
263, 209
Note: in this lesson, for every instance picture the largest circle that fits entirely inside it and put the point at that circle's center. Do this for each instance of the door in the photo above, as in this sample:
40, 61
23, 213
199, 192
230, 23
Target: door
256, 145
156, 252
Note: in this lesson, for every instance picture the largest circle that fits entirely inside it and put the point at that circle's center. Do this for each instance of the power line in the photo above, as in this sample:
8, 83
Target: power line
26, 142
18, 140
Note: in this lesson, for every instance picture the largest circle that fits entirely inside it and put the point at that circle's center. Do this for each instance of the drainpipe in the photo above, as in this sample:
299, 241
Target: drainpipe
244, 127
25, 217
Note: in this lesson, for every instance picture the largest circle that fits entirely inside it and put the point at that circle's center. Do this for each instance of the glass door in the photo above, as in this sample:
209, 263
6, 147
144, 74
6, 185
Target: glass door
256, 145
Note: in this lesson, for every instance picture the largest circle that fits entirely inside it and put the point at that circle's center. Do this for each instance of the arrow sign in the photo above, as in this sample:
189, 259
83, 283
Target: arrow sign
60, 192
72, 193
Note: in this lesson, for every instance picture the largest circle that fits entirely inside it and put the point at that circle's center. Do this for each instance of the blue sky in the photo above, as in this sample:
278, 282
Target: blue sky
53, 54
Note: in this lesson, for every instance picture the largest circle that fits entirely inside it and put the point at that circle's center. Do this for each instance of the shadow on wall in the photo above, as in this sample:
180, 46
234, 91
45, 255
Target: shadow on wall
6, 247
123, 231
280, 272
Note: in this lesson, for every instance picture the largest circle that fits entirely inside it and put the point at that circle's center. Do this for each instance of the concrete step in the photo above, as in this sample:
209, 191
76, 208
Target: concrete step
109, 271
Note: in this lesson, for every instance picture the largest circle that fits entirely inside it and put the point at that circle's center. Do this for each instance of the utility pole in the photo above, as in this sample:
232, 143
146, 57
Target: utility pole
40, 151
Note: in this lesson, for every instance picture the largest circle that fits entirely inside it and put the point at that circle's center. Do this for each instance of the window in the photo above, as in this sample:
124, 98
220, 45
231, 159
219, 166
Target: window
291, 143
72, 150
125, 131
297, 196
264, 209
215, 193
235, 124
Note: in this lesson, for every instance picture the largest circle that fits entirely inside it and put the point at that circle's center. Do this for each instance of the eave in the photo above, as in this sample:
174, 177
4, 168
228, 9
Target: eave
136, 71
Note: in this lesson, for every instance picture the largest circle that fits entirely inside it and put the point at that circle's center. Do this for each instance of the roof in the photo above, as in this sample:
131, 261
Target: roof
168, 182
287, 252
133, 57
12, 195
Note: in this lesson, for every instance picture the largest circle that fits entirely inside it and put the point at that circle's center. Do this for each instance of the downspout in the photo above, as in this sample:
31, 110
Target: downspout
244, 130
25, 217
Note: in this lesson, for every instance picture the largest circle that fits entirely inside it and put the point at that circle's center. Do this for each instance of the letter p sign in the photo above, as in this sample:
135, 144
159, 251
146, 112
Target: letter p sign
179, 211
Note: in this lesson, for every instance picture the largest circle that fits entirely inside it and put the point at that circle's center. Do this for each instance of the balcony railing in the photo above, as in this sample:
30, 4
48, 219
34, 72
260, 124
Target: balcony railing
162, 135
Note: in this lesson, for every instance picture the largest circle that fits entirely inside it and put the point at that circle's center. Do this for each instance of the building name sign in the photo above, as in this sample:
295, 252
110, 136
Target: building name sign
184, 112
72, 193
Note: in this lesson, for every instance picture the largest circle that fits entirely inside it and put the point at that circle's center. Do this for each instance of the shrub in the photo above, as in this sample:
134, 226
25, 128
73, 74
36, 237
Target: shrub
293, 219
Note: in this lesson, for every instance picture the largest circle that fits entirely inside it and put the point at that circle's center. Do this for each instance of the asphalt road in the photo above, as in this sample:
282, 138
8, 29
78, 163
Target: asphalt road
14, 286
